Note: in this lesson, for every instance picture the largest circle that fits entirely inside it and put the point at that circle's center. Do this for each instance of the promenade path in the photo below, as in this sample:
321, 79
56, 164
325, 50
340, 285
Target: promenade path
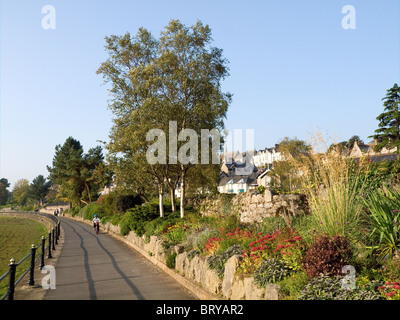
100, 267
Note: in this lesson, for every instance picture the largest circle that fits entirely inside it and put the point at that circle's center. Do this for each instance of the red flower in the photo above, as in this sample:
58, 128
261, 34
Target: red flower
389, 294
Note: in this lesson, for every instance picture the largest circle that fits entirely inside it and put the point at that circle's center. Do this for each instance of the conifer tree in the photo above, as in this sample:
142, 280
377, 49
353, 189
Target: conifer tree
388, 133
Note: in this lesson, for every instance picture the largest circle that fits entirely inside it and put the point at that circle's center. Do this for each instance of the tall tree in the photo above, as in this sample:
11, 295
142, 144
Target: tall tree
73, 171
388, 133
286, 173
155, 81
353, 140
4, 193
20, 191
38, 189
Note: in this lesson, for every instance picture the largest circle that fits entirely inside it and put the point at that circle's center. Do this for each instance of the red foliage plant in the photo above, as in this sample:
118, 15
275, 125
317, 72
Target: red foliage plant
327, 255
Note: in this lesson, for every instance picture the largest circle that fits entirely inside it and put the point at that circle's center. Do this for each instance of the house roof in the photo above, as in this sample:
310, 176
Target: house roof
383, 157
236, 179
262, 174
380, 158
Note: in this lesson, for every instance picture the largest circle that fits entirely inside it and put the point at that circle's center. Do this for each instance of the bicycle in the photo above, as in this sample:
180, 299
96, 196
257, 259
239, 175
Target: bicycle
96, 227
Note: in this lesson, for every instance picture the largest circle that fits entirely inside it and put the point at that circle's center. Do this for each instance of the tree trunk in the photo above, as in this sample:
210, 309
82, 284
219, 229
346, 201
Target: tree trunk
183, 188
88, 191
173, 202
161, 200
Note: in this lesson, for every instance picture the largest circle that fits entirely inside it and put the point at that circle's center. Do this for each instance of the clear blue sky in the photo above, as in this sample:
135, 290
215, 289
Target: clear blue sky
293, 68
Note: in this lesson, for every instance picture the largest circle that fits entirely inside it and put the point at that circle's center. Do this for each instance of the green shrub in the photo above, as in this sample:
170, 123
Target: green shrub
124, 202
218, 260
270, 271
170, 262
158, 225
174, 235
88, 211
292, 286
325, 287
75, 210
124, 228
192, 253
117, 203
199, 239
384, 218
136, 218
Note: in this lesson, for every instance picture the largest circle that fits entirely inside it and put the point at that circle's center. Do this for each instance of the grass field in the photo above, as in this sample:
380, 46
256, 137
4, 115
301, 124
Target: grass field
16, 237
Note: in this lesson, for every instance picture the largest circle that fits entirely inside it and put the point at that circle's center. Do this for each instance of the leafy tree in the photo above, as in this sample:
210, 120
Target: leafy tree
154, 81
353, 140
286, 172
203, 179
4, 193
20, 192
74, 171
388, 133
345, 145
38, 189
294, 148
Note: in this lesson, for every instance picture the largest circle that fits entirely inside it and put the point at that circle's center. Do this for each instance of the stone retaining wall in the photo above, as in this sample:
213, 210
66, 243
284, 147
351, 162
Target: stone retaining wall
254, 206
196, 272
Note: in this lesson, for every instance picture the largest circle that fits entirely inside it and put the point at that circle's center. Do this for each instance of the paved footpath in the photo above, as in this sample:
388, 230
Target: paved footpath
100, 267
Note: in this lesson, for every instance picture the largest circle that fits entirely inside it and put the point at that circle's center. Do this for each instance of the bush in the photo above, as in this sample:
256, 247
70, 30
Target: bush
192, 253
384, 218
136, 218
88, 211
292, 286
124, 202
218, 260
270, 271
115, 203
327, 255
171, 258
325, 287
199, 239
75, 210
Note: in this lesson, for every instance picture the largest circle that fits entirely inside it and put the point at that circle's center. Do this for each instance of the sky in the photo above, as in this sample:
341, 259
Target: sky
295, 70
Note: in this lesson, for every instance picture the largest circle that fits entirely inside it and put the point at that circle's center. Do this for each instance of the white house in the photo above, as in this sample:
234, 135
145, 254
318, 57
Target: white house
264, 179
236, 184
265, 157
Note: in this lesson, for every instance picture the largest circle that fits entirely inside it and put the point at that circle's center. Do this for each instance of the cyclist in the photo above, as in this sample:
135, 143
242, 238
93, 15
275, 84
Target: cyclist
96, 223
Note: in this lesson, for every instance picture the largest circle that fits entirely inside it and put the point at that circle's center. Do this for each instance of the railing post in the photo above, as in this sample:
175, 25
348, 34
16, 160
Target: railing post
31, 281
11, 280
58, 229
53, 239
49, 254
55, 235
43, 249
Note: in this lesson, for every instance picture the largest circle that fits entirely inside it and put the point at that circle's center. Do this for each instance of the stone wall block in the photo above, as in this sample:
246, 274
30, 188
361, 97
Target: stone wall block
230, 269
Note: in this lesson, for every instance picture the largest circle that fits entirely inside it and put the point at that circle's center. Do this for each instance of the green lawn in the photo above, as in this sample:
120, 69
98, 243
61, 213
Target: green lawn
16, 237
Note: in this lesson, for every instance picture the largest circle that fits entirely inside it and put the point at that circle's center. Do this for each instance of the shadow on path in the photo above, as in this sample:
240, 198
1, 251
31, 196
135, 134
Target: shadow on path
92, 289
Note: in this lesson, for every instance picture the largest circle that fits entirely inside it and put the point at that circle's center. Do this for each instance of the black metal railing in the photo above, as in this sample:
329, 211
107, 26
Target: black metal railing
51, 240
